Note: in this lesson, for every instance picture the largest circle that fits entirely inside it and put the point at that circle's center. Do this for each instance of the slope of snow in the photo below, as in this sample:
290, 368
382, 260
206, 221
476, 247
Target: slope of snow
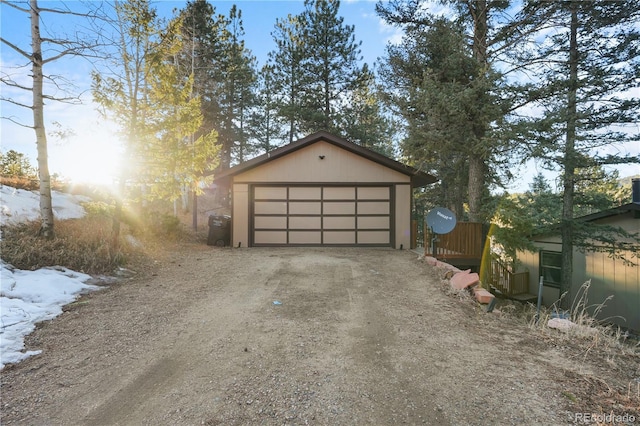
19, 205
28, 297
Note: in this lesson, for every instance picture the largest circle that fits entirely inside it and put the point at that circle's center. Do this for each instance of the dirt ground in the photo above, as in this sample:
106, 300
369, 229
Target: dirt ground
362, 336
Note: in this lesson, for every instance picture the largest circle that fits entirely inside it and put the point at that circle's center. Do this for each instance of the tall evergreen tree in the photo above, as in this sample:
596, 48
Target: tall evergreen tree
204, 34
331, 65
288, 74
176, 155
488, 33
432, 81
238, 97
318, 73
363, 119
591, 65
266, 126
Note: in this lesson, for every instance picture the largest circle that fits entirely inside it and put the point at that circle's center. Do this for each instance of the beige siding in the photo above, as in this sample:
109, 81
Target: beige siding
608, 277
240, 215
612, 278
403, 216
338, 165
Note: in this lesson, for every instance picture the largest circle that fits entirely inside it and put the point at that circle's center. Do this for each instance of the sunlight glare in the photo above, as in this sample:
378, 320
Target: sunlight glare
88, 158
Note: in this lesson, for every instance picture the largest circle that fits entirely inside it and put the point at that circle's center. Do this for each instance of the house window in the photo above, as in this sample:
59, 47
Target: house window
551, 268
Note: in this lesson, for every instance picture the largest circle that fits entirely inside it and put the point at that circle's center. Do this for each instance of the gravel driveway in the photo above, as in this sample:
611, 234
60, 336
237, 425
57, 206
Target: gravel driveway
361, 336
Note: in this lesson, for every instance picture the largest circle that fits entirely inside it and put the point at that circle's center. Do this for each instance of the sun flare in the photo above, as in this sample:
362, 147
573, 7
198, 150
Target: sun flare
89, 158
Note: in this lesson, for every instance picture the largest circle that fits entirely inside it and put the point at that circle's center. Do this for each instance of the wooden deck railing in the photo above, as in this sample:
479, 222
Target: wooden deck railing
464, 242
507, 282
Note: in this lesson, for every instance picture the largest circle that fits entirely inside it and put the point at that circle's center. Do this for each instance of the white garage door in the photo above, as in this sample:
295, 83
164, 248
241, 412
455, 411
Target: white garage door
321, 215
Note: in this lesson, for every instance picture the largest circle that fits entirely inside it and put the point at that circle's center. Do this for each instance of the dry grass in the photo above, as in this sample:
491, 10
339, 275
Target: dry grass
85, 245
591, 332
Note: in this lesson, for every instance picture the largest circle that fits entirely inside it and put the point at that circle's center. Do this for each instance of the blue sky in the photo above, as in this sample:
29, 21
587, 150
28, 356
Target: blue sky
91, 152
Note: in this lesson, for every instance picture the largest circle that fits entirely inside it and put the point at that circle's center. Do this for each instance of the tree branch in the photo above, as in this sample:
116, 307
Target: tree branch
15, 6
16, 48
14, 121
11, 101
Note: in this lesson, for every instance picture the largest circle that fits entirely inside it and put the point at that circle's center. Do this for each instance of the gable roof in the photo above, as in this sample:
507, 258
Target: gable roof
418, 178
626, 208
615, 211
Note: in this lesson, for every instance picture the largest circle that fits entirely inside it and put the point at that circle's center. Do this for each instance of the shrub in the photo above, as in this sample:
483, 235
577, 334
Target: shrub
83, 245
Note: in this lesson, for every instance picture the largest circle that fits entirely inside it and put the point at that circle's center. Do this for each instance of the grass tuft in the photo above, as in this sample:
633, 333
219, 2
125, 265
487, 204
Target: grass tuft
84, 245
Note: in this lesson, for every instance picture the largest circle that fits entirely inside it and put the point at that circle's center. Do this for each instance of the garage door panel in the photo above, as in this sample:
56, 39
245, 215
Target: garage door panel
305, 222
305, 193
270, 237
339, 222
373, 193
373, 207
339, 237
305, 207
373, 237
339, 193
270, 207
373, 222
270, 193
339, 208
305, 237
270, 222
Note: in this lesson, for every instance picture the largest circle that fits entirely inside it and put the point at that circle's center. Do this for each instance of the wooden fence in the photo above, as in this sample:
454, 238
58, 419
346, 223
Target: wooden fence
466, 241
507, 282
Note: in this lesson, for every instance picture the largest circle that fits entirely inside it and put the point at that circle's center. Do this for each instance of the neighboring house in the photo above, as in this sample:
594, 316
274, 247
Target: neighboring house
608, 276
322, 191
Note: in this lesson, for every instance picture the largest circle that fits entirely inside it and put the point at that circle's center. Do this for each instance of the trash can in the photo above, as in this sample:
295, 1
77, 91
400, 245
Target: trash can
219, 231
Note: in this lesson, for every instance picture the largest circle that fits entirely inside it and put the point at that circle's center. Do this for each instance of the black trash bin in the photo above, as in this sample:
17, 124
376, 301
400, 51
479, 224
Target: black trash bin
219, 231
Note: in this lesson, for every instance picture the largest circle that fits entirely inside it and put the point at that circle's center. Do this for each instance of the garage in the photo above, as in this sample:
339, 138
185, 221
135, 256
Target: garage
321, 191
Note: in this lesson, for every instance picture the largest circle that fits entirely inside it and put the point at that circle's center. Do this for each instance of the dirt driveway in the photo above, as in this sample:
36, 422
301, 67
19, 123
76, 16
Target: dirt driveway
362, 336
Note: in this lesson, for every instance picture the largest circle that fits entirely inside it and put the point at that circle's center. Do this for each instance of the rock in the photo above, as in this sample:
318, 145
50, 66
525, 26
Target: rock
561, 324
464, 279
482, 295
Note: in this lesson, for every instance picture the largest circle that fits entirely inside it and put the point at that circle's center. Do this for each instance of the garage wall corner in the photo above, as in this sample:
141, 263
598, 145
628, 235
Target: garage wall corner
403, 216
240, 215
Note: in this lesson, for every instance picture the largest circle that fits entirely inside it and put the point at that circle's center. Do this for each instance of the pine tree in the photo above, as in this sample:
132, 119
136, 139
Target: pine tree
432, 82
331, 65
364, 120
204, 34
238, 97
266, 126
591, 64
288, 75
317, 71
488, 33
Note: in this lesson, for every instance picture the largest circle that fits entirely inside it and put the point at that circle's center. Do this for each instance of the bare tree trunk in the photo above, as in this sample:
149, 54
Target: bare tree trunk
46, 209
566, 230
